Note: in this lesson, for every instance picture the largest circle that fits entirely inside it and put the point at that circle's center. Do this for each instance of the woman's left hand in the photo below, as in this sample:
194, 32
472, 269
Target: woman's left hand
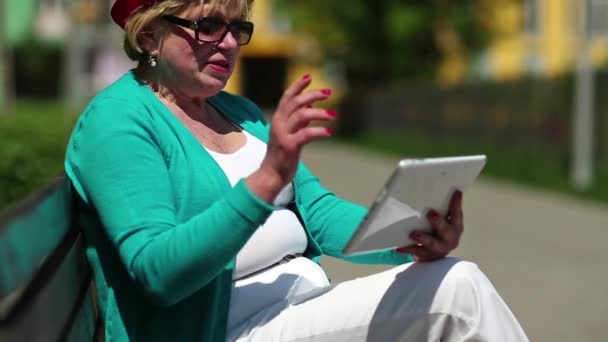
445, 236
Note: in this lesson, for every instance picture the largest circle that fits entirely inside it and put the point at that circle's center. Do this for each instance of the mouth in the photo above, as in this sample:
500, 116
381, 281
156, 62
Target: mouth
220, 66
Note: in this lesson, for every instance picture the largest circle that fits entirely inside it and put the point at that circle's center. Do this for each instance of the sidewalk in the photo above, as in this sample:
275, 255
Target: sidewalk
544, 252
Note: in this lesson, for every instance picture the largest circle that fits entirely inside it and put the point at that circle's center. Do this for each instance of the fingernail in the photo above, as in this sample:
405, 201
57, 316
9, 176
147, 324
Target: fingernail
458, 194
433, 216
331, 112
326, 91
415, 236
329, 130
306, 77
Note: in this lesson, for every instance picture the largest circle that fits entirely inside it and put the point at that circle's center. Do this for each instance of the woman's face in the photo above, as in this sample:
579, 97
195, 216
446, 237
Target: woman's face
197, 69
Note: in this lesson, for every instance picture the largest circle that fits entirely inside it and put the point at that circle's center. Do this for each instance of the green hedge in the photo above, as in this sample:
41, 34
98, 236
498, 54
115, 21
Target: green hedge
38, 75
524, 126
516, 114
32, 145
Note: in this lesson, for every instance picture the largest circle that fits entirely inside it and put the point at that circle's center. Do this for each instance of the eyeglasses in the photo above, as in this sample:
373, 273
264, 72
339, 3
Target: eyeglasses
212, 29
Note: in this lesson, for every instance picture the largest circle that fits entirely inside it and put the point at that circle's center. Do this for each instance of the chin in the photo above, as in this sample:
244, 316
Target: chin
210, 85
217, 86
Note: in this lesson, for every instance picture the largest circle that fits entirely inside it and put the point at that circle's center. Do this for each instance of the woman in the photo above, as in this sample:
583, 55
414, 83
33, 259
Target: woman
202, 224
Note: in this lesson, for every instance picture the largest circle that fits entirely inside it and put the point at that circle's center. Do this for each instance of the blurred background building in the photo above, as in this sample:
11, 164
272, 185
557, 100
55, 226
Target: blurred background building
539, 37
86, 51
522, 38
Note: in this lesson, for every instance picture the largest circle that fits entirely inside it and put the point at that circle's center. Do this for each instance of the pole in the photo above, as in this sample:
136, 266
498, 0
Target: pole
582, 125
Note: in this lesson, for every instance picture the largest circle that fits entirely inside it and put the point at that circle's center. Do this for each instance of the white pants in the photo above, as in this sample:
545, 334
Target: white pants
446, 300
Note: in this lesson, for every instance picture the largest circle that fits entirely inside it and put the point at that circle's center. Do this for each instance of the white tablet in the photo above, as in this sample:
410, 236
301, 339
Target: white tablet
415, 187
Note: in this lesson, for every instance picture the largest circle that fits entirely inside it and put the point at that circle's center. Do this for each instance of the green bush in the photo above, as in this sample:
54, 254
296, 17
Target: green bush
32, 145
38, 74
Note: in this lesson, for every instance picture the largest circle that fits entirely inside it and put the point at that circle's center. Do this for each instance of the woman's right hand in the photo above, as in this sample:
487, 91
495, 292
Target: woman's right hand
290, 131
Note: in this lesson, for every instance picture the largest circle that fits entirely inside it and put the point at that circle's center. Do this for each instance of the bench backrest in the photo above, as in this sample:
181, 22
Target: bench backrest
46, 290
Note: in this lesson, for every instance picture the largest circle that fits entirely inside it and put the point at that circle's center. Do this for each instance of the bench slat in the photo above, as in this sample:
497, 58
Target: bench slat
46, 291
84, 327
46, 313
30, 232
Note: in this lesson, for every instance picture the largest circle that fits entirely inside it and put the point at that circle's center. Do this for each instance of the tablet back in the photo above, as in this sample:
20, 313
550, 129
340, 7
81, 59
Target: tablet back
415, 187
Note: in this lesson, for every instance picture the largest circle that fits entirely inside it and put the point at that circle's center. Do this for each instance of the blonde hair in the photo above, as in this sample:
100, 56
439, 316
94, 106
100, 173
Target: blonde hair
144, 18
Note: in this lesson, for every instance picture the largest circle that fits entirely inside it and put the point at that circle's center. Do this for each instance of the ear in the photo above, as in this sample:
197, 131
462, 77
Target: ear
150, 42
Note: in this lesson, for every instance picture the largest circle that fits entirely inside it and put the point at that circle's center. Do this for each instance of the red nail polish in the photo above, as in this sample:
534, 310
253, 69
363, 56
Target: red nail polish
329, 130
331, 112
326, 91
433, 216
458, 194
306, 77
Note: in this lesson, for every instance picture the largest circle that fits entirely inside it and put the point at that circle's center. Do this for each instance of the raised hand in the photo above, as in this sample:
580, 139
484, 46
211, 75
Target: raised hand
290, 131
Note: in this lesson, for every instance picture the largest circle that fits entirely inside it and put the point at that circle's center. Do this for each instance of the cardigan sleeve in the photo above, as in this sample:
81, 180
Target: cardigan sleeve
332, 220
117, 167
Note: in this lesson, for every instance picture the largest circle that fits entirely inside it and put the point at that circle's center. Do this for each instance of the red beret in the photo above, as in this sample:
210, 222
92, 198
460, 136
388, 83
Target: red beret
122, 9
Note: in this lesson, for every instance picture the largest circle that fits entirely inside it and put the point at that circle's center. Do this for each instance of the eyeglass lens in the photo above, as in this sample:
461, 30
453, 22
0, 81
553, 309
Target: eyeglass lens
212, 29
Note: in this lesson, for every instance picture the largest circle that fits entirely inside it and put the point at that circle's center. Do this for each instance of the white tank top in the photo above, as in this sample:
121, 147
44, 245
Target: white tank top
282, 234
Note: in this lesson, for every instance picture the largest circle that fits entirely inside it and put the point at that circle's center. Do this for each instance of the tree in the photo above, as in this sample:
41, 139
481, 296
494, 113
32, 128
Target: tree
383, 41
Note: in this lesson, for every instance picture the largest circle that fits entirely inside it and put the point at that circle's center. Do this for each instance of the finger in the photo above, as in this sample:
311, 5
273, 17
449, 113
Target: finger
426, 240
455, 211
440, 226
305, 100
448, 234
296, 88
409, 249
443, 230
308, 134
405, 250
303, 117
420, 253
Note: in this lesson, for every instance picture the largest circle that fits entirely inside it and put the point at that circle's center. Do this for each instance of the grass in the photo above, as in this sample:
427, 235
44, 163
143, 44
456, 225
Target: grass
536, 166
32, 145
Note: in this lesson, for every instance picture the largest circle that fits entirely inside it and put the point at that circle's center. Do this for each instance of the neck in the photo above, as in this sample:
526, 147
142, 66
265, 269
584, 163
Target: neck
168, 87
167, 90
186, 103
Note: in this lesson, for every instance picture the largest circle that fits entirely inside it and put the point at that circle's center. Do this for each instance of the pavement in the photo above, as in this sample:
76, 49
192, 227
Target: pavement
544, 252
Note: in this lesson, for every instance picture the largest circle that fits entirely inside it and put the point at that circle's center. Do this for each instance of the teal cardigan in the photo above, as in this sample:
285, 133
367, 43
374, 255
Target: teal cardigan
162, 223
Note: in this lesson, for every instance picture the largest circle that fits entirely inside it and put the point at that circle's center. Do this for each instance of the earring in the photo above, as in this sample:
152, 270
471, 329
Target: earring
152, 61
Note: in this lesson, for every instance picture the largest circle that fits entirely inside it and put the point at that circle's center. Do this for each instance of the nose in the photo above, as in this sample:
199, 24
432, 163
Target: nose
228, 41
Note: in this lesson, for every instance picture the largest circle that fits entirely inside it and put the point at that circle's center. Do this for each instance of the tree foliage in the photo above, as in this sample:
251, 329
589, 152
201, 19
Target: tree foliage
385, 40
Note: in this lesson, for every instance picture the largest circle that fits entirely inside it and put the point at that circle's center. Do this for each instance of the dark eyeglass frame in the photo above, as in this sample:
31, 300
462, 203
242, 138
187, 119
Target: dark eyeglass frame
232, 27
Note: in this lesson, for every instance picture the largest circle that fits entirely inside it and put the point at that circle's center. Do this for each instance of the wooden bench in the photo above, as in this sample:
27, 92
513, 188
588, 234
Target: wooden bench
46, 287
